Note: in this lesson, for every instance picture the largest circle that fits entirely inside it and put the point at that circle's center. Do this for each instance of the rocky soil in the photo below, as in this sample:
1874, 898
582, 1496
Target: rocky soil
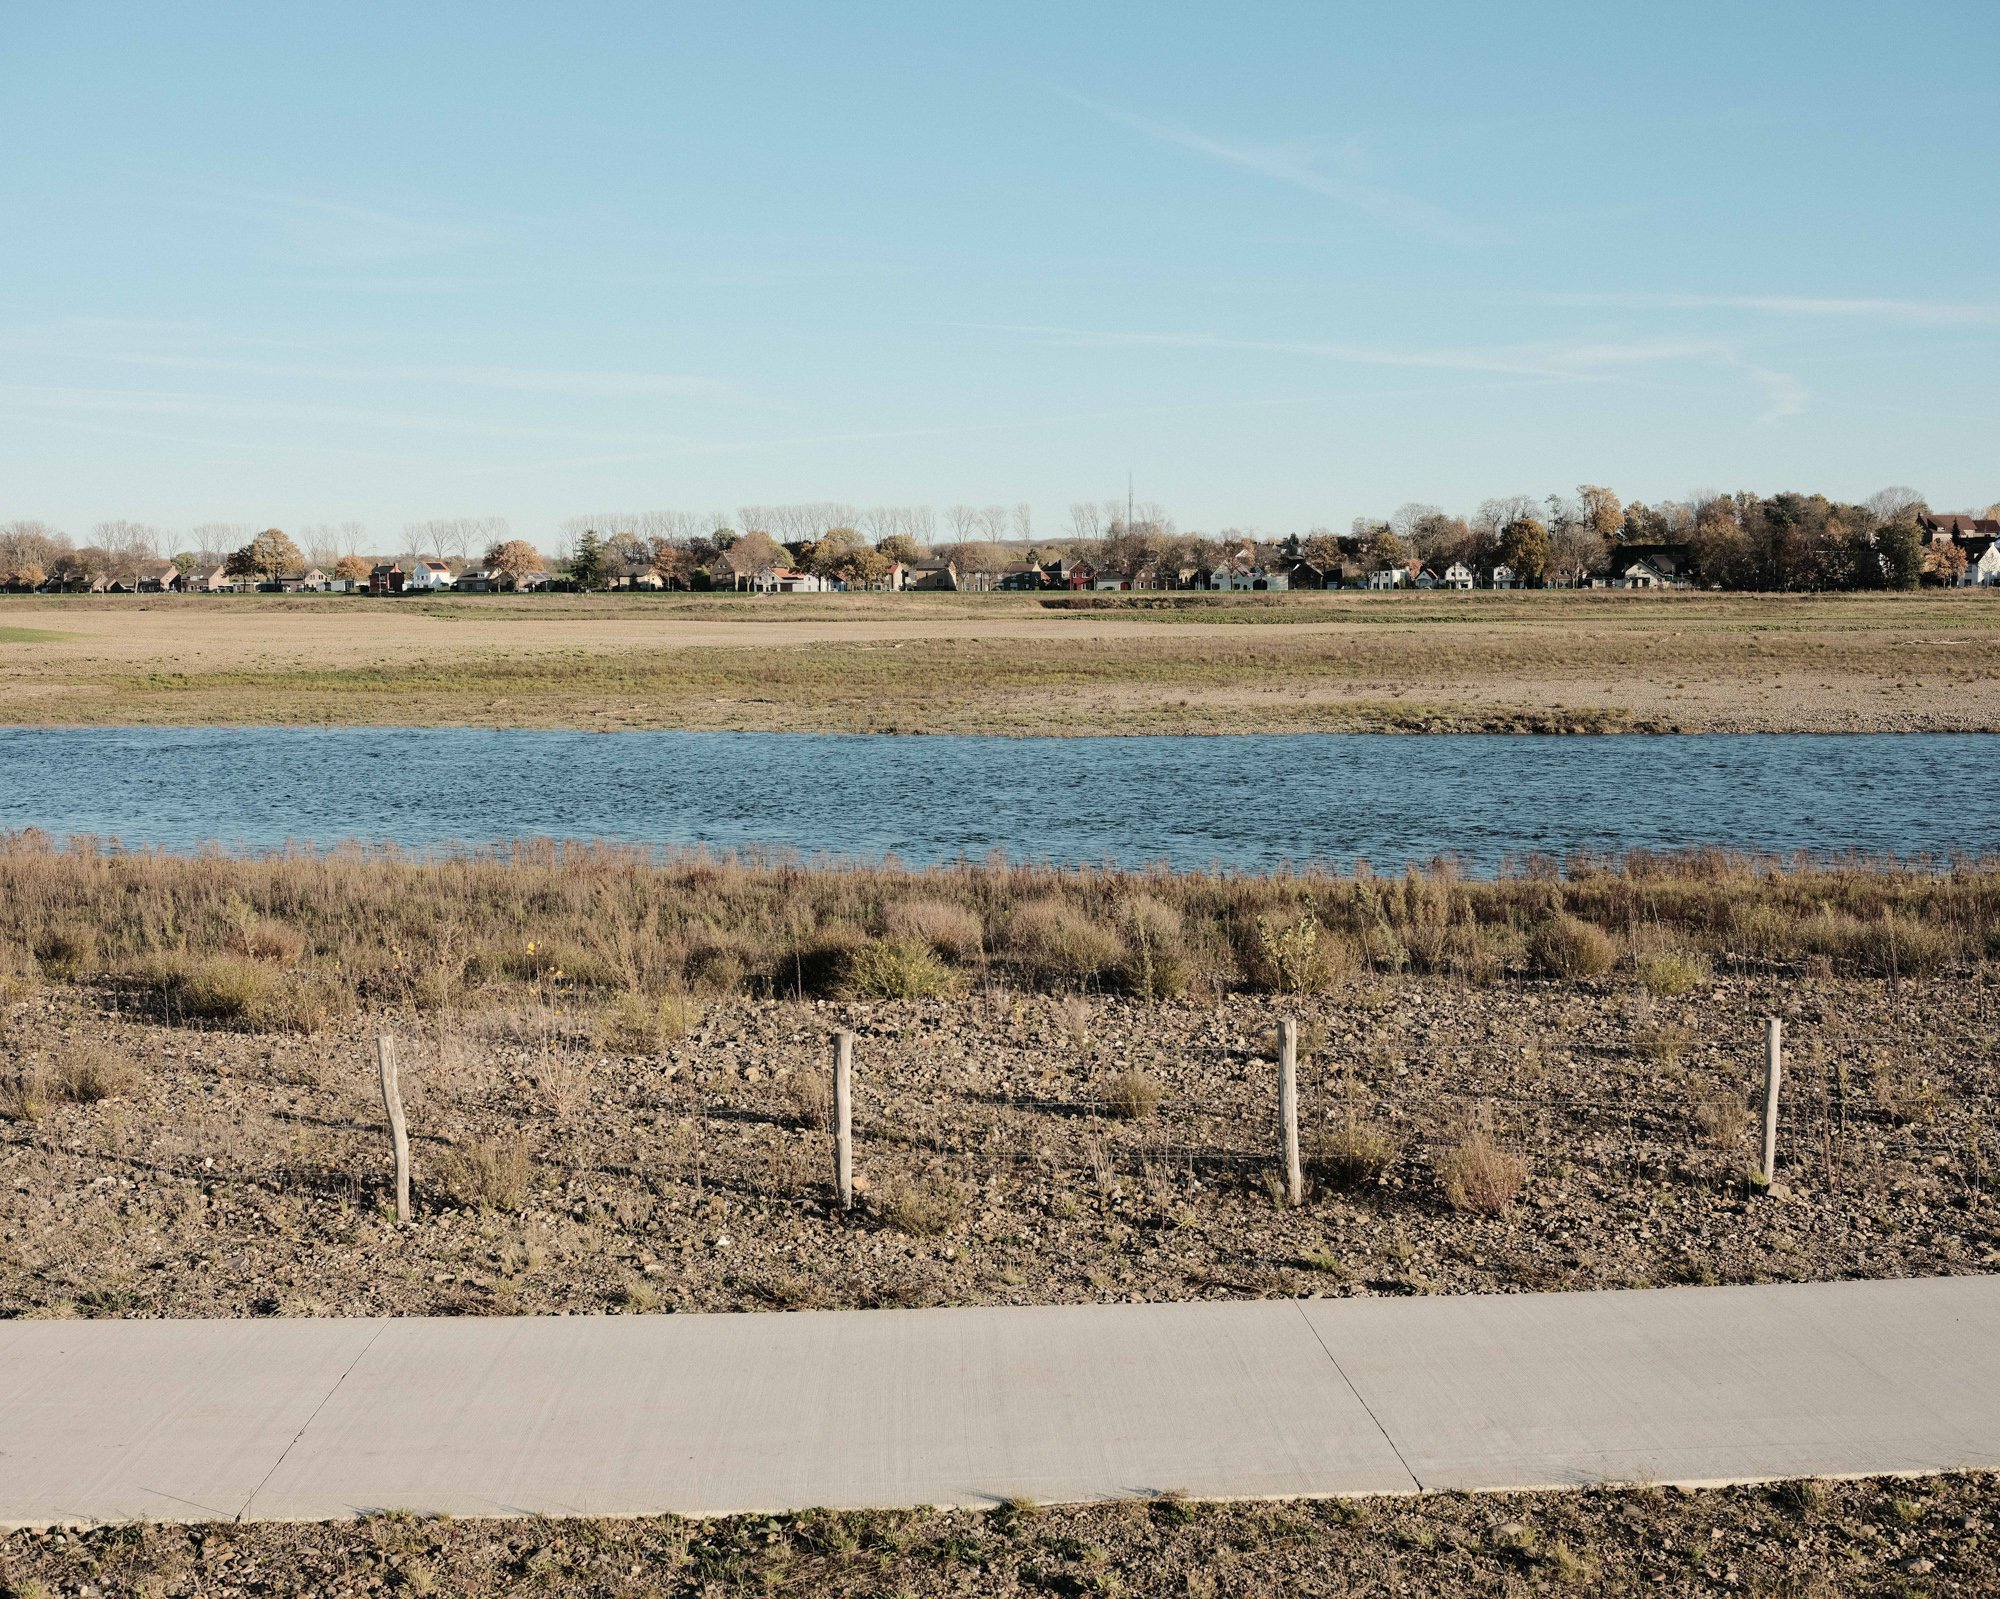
1802, 1540
203, 1173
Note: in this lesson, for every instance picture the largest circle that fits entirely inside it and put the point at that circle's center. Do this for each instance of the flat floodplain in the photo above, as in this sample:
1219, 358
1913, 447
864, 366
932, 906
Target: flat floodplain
1170, 663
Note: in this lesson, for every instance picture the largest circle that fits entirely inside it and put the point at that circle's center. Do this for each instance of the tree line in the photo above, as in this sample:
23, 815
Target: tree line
1782, 541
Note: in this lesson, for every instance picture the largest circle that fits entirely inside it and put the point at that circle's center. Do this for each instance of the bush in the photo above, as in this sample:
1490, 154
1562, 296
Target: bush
897, 968
1130, 1096
949, 929
924, 1206
24, 1094
87, 1073
642, 1024
1669, 973
68, 951
1054, 940
1890, 946
237, 991
1156, 967
1298, 957
1354, 1155
487, 1173
265, 940
1568, 947
1478, 1175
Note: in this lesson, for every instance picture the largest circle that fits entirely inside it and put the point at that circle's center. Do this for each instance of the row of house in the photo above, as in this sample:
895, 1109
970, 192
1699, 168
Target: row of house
1976, 539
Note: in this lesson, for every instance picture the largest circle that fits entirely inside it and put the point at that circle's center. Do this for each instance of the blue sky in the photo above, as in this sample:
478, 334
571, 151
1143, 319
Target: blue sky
1284, 263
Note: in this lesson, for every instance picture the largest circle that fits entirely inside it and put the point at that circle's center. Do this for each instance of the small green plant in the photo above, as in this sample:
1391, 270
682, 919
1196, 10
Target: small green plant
1290, 954
1130, 1095
897, 968
1802, 1498
641, 1024
1670, 973
924, 1206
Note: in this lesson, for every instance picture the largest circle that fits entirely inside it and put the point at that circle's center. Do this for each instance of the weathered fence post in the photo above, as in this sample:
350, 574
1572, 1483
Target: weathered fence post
392, 1102
843, 1118
1774, 1051
1288, 1109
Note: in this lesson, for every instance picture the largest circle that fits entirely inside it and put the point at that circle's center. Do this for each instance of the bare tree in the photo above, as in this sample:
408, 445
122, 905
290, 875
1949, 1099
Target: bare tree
1024, 522
964, 520
1086, 520
1894, 504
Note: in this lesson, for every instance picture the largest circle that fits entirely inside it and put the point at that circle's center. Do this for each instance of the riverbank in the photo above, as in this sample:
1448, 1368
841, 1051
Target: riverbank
1528, 662
1881, 1536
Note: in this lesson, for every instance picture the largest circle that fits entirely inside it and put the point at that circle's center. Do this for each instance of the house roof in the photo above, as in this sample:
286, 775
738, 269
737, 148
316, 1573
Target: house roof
1962, 526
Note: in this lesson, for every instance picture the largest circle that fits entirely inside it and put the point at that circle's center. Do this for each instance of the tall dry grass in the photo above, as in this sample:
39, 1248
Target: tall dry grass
299, 938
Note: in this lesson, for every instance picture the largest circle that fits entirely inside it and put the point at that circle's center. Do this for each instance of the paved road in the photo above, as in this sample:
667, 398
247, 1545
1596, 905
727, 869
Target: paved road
165, 1420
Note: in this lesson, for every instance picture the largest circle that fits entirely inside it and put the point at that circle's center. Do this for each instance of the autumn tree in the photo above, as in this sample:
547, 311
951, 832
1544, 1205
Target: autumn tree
1387, 551
901, 547
672, 563
1602, 512
355, 568
269, 556
514, 559
1524, 545
625, 555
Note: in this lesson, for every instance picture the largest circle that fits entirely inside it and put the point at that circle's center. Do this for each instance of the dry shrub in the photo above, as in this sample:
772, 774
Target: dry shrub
86, 1073
897, 968
1480, 1176
1722, 1120
1354, 1154
810, 1094
949, 929
1665, 1044
17, 972
819, 966
1054, 941
1568, 947
1888, 946
1908, 1097
24, 1094
1130, 1095
68, 950
922, 1206
1073, 1016
644, 1024
261, 939
487, 1173
239, 992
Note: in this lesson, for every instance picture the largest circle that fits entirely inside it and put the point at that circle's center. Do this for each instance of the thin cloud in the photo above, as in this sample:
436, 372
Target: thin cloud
1577, 361
1284, 165
1915, 313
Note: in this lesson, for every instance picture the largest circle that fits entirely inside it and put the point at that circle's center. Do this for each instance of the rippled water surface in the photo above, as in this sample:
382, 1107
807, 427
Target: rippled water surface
1248, 802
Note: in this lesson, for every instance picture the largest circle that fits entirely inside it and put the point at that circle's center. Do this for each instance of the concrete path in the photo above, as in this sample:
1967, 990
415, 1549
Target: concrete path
106, 1420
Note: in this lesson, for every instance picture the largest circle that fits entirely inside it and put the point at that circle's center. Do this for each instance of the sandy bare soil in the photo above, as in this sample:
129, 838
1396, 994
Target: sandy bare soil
1011, 664
231, 1173
1802, 1540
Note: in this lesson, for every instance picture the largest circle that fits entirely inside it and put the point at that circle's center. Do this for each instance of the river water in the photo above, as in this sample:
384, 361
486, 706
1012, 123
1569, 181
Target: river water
1252, 802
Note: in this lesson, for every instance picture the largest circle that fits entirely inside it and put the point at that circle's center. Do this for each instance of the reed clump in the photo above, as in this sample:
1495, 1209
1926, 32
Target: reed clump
294, 940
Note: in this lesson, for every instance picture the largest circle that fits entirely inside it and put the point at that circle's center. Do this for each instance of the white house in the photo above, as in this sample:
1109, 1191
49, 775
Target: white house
1389, 577
1457, 576
1504, 577
1982, 563
427, 575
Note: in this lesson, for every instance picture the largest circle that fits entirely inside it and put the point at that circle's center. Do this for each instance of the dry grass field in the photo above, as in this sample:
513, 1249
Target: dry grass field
1792, 1540
617, 1080
1016, 664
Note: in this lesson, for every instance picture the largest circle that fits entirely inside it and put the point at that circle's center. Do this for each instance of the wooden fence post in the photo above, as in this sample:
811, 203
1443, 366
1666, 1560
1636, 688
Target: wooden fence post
1774, 1051
392, 1102
1288, 1109
843, 1118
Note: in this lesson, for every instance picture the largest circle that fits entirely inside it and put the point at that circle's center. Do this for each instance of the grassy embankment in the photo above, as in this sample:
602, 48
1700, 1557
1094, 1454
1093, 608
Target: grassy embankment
1535, 662
1801, 1540
617, 1082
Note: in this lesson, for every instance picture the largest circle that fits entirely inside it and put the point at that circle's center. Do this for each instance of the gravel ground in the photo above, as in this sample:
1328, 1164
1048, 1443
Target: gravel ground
1802, 1540
240, 1174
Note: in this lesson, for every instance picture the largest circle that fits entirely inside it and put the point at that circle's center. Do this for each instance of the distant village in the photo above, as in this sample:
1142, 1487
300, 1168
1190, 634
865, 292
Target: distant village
1591, 542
